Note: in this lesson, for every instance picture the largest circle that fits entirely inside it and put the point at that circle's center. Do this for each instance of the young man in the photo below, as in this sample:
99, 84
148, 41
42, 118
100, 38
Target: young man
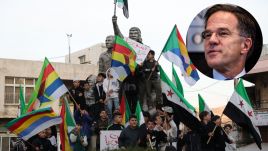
111, 88
99, 95
77, 93
218, 137
116, 122
229, 38
41, 143
78, 138
228, 129
89, 94
205, 118
51, 138
129, 136
101, 124
150, 69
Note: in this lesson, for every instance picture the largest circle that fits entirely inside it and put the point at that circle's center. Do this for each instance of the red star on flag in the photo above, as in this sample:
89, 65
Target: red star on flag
250, 113
241, 104
170, 93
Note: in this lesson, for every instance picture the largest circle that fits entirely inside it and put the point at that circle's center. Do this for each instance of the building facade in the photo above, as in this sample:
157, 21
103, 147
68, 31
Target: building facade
16, 73
258, 94
88, 55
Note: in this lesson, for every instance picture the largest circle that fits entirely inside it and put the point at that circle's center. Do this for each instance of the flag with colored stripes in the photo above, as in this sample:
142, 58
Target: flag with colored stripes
203, 105
124, 5
176, 52
33, 122
176, 80
67, 125
139, 114
239, 110
48, 88
123, 59
124, 110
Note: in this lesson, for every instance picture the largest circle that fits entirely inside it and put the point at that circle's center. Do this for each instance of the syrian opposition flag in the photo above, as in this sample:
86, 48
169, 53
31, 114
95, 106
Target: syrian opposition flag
124, 5
203, 106
183, 110
139, 114
239, 110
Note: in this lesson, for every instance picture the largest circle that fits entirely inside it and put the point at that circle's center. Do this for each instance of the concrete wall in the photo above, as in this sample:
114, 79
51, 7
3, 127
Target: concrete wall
92, 54
31, 69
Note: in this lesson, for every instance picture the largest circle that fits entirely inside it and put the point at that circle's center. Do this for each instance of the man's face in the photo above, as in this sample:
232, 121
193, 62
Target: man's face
150, 125
223, 48
118, 119
134, 34
133, 122
42, 134
150, 56
86, 86
208, 117
158, 120
109, 42
99, 78
103, 114
76, 84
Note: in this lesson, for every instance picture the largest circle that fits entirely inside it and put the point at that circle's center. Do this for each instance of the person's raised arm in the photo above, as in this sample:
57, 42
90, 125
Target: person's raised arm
116, 28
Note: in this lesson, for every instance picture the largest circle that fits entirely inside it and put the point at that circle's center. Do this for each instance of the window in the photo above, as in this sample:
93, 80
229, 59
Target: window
8, 143
12, 89
82, 59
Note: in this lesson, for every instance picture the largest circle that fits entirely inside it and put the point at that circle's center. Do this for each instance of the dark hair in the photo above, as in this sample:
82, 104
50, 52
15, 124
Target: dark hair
116, 114
151, 52
247, 26
203, 114
132, 116
146, 114
215, 117
228, 125
102, 74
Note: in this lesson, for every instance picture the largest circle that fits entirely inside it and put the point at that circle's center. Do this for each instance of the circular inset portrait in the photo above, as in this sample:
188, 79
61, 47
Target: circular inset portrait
224, 41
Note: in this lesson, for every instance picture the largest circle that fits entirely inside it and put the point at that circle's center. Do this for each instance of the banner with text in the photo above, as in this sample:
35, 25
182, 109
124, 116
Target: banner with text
140, 49
109, 140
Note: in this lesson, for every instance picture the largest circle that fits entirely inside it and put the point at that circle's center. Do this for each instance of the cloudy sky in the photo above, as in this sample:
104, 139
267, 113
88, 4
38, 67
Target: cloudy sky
33, 29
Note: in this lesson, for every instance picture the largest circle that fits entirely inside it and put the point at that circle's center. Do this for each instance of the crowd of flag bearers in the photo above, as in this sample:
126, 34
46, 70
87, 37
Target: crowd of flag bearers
105, 103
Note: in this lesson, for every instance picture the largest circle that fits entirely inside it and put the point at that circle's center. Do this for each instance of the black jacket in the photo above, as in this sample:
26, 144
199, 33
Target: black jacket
129, 137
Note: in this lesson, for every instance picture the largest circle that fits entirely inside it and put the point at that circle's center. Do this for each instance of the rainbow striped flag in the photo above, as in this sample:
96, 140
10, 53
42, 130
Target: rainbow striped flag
176, 52
34, 122
123, 59
48, 88
124, 110
66, 126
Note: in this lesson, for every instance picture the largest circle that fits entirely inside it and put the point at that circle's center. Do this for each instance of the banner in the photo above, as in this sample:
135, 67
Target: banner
140, 49
109, 140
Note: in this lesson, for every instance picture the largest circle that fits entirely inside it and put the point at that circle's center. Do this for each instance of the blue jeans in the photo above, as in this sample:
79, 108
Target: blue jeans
110, 102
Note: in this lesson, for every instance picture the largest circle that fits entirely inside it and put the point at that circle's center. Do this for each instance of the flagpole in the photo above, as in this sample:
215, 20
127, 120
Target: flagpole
114, 7
213, 130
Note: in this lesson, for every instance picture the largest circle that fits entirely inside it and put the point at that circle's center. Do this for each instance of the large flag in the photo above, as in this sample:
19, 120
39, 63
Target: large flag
239, 110
139, 114
124, 110
176, 80
33, 122
48, 88
203, 106
67, 125
22, 102
124, 5
176, 52
123, 59
183, 110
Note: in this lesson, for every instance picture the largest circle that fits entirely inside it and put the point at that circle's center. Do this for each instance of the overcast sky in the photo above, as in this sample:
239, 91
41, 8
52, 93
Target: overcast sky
33, 29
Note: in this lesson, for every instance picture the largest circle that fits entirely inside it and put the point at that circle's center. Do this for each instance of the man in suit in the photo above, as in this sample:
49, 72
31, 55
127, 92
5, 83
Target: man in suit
229, 40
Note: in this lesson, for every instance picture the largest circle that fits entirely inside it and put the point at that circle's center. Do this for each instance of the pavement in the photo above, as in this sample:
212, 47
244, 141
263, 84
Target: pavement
253, 147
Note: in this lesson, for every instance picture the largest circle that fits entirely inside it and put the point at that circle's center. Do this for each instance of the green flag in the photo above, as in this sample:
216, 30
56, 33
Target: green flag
22, 102
176, 80
139, 114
